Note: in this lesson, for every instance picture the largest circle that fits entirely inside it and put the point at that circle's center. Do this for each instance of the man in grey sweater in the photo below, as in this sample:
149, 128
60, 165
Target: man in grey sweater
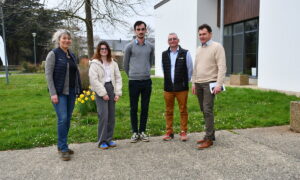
138, 58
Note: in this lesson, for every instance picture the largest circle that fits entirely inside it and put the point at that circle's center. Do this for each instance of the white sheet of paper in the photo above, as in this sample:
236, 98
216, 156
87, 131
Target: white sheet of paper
213, 85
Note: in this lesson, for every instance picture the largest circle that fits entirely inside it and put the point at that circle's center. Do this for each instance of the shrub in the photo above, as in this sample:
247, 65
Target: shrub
86, 102
42, 67
84, 72
28, 67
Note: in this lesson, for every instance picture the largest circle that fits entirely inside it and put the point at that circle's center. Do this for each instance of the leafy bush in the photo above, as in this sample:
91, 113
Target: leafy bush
42, 67
28, 67
84, 72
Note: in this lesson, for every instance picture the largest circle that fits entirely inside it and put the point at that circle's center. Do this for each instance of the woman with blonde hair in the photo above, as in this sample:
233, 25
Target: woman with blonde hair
64, 84
106, 82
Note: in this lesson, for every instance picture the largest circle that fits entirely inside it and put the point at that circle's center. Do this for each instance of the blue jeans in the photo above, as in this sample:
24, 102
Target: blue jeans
64, 110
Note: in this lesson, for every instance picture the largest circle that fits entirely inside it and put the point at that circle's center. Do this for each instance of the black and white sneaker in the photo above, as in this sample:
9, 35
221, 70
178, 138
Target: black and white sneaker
134, 138
144, 137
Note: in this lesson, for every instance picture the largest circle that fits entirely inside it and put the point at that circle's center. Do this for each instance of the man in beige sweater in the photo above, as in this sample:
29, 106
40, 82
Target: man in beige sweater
210, 67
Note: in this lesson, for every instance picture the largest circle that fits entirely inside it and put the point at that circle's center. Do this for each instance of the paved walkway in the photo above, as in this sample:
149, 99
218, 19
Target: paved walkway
259, 153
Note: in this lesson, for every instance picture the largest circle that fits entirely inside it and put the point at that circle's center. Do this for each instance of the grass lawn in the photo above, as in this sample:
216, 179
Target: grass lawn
27, 118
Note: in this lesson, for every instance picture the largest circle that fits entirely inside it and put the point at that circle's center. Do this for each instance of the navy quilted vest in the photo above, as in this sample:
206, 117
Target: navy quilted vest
60, 70
181, 73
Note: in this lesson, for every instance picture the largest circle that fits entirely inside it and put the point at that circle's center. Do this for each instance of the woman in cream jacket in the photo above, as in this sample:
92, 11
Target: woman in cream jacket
106, 82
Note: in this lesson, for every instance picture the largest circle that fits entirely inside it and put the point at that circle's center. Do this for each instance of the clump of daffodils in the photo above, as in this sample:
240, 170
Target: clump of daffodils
86, 102
86, 96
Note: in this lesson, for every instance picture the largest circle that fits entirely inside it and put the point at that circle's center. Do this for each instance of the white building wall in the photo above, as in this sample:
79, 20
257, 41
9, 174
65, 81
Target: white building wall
183, 17
177, 16
278, 58
208, 13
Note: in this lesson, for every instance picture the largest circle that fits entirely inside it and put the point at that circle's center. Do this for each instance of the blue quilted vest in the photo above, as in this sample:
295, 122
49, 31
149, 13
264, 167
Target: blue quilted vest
60, 70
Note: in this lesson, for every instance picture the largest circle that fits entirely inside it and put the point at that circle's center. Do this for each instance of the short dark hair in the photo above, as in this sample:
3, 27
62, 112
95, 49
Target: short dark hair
139, 23
205, 26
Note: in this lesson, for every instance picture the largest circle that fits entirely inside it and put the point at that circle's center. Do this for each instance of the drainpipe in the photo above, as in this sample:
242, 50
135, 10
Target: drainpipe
222, 21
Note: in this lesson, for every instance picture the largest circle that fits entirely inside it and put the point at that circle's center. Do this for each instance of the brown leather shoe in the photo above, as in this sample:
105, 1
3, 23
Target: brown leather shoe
65, 156
183, 136
168, 136
70, 151
205, 144
201, 141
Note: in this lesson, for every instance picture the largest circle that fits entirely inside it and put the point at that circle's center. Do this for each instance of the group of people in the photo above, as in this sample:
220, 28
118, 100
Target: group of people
105, 79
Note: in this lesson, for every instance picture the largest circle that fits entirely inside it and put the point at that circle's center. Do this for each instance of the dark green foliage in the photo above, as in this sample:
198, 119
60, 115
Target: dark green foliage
22, 18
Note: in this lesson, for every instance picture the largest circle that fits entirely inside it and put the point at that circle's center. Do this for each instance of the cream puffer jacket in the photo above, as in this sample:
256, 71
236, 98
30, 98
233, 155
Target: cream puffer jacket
96, 76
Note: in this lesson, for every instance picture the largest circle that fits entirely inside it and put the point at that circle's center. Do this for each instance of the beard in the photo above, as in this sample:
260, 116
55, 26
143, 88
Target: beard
141, 36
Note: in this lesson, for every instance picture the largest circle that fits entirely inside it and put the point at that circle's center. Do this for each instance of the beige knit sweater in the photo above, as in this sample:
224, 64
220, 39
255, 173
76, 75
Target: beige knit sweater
210, 64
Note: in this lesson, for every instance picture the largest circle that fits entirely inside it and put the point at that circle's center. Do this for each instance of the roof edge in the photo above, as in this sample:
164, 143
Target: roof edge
160, 3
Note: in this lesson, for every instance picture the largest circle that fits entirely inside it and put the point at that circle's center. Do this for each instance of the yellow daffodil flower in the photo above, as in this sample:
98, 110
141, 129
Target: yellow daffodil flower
92, 98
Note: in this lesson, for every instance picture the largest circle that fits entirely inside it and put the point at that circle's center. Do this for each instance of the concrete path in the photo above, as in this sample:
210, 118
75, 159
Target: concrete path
259, 153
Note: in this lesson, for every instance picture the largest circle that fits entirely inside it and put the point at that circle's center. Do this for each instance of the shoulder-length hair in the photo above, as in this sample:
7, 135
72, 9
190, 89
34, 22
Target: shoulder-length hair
57, 35
97, 54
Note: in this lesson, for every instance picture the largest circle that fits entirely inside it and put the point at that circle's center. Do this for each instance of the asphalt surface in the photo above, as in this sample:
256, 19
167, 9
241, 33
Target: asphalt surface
259, 153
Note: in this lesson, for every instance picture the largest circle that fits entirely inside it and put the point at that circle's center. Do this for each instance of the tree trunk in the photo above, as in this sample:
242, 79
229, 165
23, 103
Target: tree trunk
89, 28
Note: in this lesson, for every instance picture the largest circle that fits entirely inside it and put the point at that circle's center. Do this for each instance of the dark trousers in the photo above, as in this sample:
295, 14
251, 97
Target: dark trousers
206, 102
106, 115
137, 88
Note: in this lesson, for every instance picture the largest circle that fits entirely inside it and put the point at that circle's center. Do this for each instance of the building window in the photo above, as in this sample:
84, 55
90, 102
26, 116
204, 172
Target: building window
241, 47
228, 47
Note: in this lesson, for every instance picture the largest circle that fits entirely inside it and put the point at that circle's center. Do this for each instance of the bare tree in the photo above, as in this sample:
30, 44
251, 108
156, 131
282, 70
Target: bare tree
112, 12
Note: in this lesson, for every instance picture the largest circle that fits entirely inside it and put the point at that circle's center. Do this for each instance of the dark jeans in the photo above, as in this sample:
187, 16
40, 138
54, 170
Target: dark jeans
64, 110
137, 88
106, 115
206, 101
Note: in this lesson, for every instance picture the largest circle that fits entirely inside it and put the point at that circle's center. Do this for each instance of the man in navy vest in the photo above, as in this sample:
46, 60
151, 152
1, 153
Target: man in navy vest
177, 66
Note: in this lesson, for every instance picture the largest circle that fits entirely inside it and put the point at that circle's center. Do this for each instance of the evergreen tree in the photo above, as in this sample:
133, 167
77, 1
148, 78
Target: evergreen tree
22, 18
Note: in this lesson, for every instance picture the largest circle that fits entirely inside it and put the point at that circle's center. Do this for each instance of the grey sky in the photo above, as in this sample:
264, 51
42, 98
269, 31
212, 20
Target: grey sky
121, 33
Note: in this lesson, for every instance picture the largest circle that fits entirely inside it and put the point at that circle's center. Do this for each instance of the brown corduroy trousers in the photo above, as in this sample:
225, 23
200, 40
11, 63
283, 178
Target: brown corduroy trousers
181, 97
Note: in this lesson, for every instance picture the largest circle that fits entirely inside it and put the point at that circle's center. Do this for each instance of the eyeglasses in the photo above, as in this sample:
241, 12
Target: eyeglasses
140, 29
172, 39
103, 49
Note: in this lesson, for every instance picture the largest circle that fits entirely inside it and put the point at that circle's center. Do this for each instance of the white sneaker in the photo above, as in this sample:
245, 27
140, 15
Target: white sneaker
144, 137
134, 138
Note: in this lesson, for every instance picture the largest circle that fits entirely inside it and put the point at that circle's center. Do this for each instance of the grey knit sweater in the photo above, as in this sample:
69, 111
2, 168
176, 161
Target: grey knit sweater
138, 60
